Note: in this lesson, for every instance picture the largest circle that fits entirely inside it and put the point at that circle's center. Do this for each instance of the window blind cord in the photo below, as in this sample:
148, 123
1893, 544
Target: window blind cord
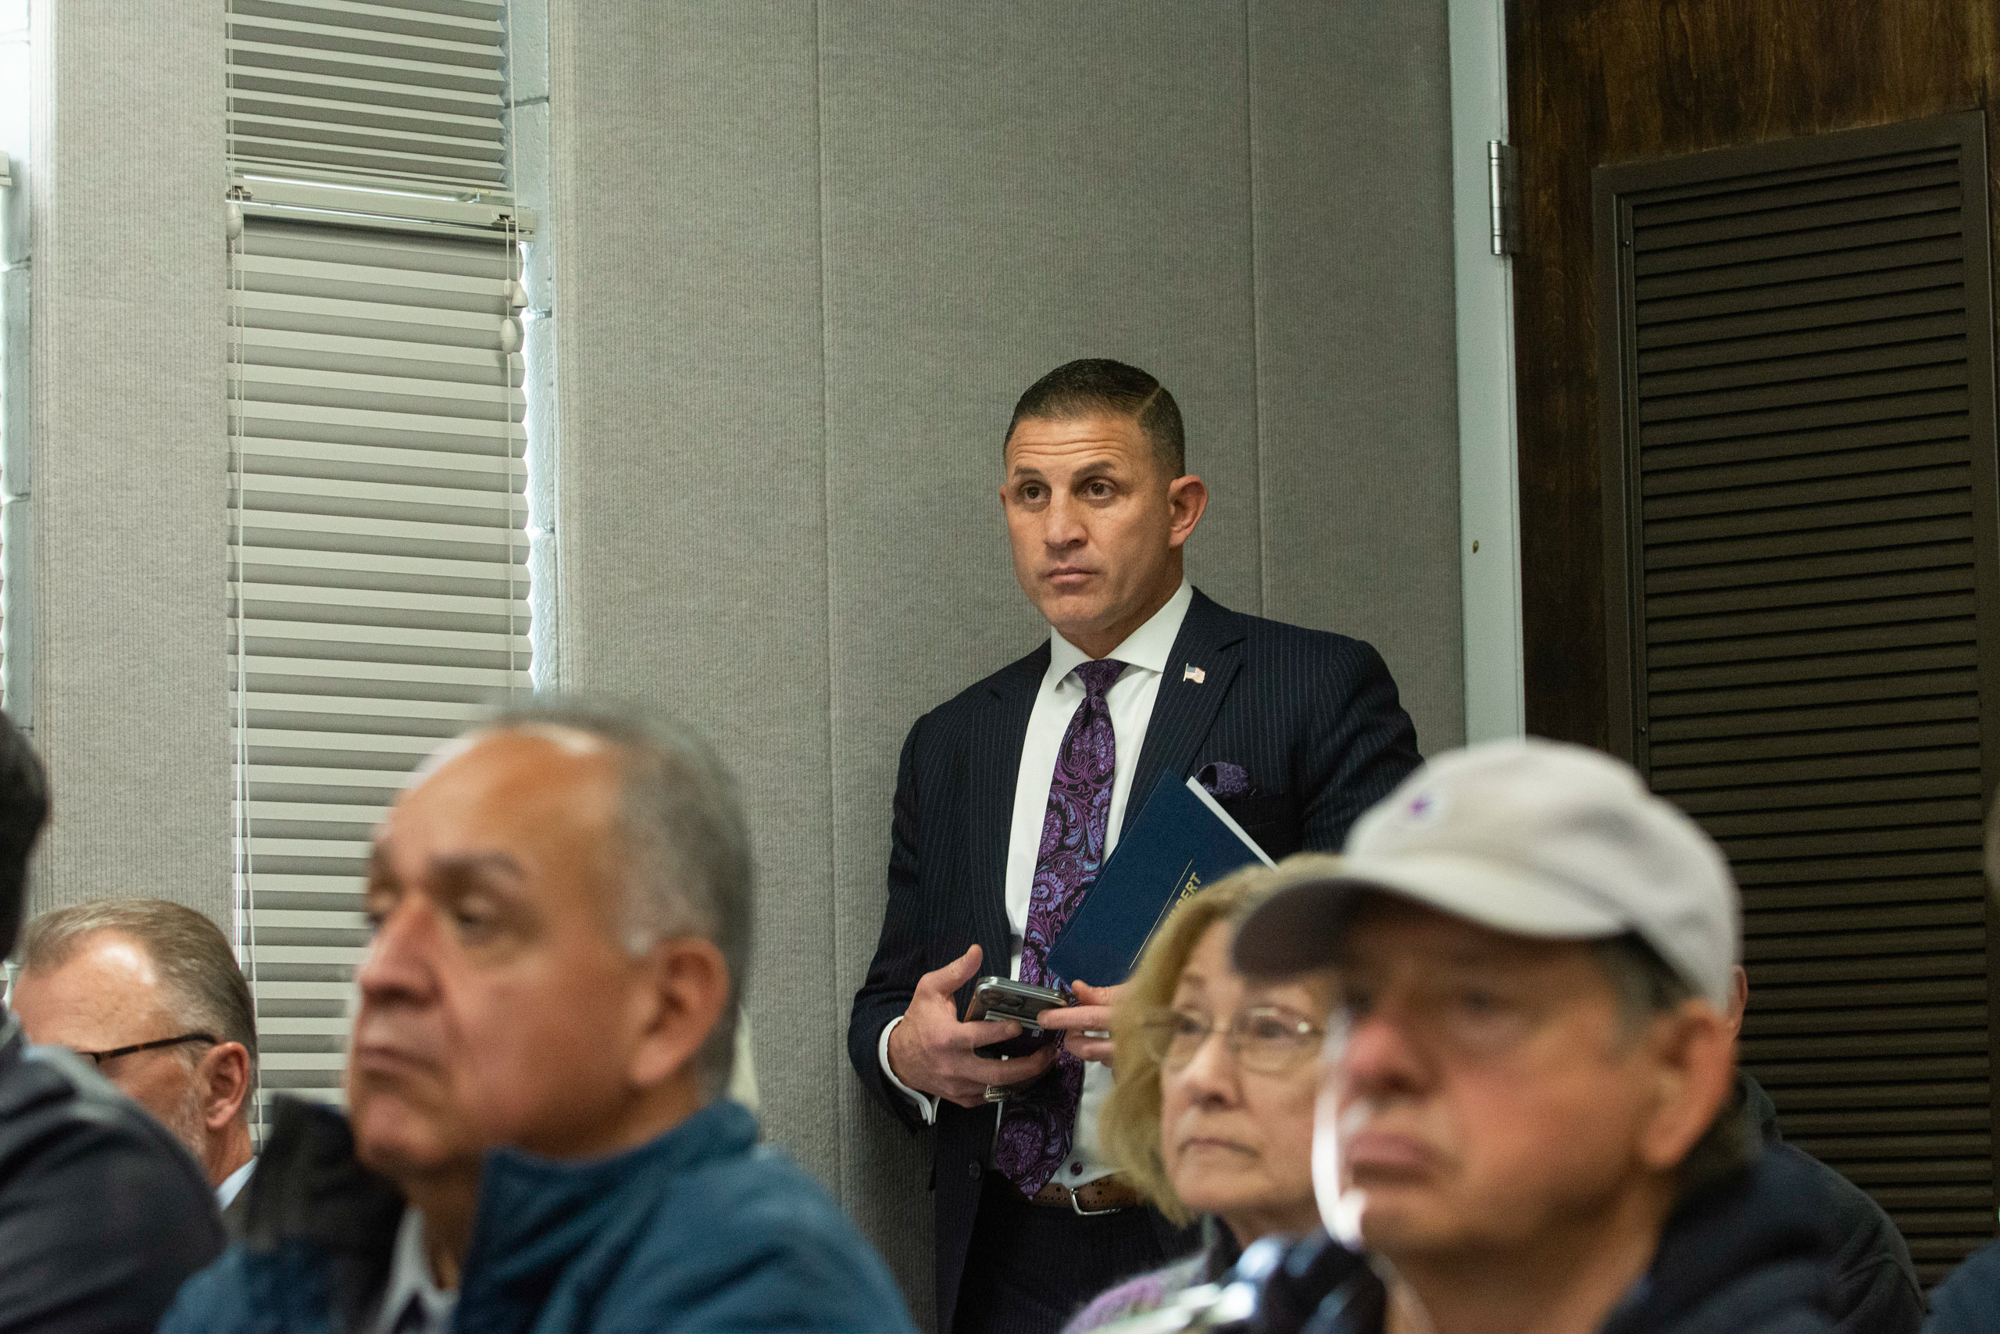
515, 299
238, 242
518, 300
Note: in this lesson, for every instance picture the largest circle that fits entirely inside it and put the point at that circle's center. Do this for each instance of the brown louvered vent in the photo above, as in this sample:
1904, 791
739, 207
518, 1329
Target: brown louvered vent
1800, 471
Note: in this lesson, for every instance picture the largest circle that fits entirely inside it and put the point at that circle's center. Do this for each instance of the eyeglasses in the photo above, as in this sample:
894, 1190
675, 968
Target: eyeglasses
100, 1057
1266, 1039
1473, 1019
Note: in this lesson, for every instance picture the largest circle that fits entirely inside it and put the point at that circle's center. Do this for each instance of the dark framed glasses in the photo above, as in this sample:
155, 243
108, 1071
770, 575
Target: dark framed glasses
100, 1057
1267, 1039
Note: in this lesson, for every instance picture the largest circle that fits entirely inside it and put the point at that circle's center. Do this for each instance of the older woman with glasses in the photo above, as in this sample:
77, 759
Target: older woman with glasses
1212, 1115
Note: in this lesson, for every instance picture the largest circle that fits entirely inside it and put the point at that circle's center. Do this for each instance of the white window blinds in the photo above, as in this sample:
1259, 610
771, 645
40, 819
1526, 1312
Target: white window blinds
378, 576
410, 92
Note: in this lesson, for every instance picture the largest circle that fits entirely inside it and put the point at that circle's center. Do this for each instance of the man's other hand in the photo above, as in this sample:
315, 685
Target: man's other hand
932, 1051
1086, 1027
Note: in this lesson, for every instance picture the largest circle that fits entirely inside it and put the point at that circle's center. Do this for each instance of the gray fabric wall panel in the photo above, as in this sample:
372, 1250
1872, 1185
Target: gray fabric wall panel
1011, 185
1008, 186
805, 258
684, 157
802, 257
1351, 129
129, 443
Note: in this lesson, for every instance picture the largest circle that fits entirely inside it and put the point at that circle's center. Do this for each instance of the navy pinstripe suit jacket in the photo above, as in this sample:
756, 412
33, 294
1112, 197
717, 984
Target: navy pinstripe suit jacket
1314, 719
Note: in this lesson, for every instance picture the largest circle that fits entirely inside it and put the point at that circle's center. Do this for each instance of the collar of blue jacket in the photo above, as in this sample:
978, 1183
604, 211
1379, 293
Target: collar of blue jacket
536, 1211
539, 1218
700, 1228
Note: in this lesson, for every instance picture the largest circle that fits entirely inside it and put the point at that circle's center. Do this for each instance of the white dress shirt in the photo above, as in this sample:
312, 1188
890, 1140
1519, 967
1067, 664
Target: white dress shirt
1145, 653
233, 1184
410, 1282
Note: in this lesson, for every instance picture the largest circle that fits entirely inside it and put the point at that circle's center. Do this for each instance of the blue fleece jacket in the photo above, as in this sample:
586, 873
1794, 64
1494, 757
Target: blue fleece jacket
1968, 1302
700, 1229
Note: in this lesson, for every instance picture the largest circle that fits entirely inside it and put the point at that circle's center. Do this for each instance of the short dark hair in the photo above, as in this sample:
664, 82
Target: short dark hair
1647, 985
24, 808
206, 988
1098, 384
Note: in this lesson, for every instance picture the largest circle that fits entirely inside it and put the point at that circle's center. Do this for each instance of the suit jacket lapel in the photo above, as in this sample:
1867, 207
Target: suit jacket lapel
1211, 640
994, 754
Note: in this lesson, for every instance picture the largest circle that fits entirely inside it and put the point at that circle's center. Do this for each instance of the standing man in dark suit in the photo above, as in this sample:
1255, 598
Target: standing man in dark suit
1010, 796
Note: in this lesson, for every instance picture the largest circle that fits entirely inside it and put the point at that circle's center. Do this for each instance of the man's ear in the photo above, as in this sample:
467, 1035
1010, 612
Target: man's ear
685, 987
1188, 498
224, 1073
1693, 1054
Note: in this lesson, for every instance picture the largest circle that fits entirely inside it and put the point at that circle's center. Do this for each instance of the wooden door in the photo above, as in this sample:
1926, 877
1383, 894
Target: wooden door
1715, 543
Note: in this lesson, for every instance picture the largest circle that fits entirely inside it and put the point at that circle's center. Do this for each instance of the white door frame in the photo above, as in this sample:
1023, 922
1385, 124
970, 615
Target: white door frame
1489, 500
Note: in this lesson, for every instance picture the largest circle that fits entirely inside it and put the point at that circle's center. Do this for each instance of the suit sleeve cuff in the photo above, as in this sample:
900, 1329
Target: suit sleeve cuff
925, 1104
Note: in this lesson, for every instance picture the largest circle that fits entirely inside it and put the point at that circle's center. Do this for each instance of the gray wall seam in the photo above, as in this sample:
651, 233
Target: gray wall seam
843, 1131
1256, 322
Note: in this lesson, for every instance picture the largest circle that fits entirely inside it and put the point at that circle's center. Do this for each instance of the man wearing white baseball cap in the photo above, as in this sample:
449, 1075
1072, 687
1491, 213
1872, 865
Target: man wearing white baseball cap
1528, 1089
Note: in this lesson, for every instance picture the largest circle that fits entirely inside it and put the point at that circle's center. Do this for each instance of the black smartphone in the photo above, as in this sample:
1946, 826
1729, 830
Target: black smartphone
1023, 1002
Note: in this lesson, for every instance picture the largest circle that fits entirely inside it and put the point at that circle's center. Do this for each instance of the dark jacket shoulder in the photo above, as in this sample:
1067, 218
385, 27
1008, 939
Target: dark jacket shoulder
699, 1229
1748, 1254
1875, 1288
1751, 1252
102, 1213
1326, 662
1317, 666
1207, 621
318, 1233
1968, 1301
770, 1249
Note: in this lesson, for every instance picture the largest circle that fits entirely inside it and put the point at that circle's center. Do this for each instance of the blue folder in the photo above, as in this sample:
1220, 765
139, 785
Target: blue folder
1182, 840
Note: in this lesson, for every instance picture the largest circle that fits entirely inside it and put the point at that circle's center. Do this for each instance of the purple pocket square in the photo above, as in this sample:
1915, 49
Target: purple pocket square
1223, 780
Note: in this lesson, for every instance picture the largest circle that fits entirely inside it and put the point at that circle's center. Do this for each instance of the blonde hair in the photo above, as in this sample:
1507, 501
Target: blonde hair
1128, 1127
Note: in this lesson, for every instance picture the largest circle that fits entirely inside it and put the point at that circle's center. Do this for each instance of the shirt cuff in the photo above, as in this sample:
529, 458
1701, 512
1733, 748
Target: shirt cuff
926, 1105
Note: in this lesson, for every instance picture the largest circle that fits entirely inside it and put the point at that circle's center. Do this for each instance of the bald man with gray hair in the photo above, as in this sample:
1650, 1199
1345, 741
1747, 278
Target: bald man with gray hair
689, 870
560, 905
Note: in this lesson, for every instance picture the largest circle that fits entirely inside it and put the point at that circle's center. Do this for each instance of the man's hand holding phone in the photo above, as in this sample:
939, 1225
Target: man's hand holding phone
1086, 1026
933, 1051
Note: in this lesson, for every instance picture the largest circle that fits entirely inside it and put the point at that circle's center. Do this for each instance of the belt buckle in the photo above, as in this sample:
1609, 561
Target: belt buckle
1076, 1203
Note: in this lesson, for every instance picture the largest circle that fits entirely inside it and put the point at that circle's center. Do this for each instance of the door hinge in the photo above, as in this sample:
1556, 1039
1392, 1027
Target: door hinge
1503, 195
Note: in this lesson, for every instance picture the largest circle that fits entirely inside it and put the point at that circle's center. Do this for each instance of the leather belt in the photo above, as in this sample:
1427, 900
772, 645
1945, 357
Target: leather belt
1103, 1196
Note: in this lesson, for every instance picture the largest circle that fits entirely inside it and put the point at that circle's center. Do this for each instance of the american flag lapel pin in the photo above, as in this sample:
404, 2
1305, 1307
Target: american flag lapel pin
1193, 673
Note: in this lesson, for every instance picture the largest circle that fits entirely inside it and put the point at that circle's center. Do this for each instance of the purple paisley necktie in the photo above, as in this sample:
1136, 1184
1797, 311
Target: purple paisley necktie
1037, 1124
